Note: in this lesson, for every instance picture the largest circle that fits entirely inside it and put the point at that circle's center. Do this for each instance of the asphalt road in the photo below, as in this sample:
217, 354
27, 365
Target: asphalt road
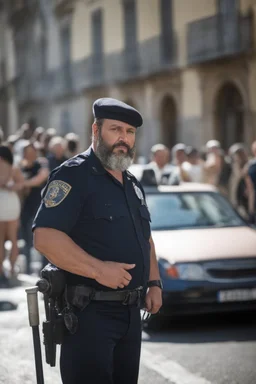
200, 350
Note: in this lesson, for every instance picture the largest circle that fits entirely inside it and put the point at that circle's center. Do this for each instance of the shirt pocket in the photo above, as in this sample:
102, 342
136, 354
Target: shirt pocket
145, 221
109, 212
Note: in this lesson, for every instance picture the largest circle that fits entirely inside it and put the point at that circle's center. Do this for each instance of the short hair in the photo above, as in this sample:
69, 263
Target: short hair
72, 141
158, 147
51, 131
191, 151
212, 144
237, 147
71, 136
99, 122
178, 147
56, 141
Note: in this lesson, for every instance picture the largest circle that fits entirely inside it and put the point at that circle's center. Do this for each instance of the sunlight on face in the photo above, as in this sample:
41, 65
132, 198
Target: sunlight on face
115, 145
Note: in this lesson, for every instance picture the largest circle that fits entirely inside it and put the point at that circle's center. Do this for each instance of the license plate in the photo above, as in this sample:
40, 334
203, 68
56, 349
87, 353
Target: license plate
237, 295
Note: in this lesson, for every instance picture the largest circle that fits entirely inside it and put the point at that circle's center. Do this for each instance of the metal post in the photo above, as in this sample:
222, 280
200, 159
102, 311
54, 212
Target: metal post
33, 315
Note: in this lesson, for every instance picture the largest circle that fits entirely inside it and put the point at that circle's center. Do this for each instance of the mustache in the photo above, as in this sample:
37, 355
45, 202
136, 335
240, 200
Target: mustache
121, 144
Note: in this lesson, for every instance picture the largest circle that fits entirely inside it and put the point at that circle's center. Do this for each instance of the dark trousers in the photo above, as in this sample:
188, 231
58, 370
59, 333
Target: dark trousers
106, 347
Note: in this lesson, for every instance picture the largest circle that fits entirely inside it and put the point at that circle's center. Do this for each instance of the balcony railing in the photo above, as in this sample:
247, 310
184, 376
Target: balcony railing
217, 37
99, 69
131, 61
57, 83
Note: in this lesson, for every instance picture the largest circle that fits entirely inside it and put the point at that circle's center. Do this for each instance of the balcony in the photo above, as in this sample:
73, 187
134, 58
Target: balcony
61, 80
131, 62
54, 84
219, 37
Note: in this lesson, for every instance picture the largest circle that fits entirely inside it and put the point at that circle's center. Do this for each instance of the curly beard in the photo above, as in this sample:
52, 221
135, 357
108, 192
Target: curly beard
118, 161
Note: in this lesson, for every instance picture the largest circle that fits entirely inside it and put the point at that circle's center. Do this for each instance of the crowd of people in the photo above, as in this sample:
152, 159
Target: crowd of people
233, 172
27, 158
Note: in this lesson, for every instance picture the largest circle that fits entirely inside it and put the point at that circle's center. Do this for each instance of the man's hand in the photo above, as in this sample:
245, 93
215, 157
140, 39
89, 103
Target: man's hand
153, 300
114, 275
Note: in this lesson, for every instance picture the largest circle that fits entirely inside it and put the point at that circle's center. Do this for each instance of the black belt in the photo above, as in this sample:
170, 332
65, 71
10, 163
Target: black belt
79, 295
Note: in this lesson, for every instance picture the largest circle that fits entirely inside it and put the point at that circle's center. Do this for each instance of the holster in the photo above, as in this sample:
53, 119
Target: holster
52, 284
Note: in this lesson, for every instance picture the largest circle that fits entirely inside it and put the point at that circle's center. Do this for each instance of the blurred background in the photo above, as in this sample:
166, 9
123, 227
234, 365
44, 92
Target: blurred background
188, 66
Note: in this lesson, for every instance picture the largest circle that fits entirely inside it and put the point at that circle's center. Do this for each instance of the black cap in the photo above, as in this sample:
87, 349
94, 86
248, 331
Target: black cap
108, 108
6, 154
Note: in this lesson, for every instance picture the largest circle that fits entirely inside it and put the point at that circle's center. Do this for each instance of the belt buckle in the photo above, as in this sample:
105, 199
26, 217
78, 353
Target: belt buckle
133, 297
127, 299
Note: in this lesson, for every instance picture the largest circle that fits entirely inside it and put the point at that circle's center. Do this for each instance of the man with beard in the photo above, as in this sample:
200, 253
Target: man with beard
94, 224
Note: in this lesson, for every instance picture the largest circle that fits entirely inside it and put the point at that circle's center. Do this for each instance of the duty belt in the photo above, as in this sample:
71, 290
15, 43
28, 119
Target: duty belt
81, 295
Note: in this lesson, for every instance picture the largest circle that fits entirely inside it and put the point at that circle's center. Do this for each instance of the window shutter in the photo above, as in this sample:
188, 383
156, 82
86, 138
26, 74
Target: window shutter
167, 29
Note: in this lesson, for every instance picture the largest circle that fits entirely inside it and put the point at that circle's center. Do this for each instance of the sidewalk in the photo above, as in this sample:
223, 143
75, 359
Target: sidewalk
17, 364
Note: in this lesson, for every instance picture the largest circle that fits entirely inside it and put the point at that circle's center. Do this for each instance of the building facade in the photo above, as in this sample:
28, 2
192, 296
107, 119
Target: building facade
188, 66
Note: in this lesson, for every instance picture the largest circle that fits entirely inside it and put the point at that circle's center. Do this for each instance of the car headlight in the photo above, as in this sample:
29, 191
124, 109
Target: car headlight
183, 271
191, 271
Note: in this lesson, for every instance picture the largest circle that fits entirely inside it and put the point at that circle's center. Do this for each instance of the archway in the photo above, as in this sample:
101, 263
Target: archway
229, 115
169, 121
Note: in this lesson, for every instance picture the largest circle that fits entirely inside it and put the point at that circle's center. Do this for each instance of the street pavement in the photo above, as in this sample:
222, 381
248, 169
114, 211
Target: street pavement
205, 350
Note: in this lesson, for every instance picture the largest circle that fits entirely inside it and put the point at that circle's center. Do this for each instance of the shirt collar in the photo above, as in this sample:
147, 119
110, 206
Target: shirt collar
94, 162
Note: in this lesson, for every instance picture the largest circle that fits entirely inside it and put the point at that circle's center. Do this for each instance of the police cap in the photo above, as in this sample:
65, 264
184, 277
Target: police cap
108, 108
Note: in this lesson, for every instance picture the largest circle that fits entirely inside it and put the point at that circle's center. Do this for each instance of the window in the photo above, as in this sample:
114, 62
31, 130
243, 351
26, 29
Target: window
191, 210
130, 34
227, 6
228, 29
65, 44
166, 29
97, 41
65, 54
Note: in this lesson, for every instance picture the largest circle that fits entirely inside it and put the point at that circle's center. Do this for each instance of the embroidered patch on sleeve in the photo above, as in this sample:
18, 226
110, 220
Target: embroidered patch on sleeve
56, 193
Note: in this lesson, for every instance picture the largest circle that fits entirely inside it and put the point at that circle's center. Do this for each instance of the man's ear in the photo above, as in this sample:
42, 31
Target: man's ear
95, 130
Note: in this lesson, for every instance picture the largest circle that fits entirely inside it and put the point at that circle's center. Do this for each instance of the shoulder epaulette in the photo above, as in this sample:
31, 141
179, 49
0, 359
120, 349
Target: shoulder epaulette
75, 161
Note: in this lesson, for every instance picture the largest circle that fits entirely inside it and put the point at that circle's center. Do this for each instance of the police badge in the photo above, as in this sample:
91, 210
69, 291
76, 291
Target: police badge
56, 193
139, 194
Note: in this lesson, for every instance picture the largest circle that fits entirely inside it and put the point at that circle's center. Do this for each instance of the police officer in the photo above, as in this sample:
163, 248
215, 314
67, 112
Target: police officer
94, 224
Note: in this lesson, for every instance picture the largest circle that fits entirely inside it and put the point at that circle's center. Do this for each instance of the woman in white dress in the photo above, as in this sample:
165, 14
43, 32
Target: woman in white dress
11, 180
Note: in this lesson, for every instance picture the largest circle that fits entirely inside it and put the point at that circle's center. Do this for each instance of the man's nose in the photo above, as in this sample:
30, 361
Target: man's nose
123, 137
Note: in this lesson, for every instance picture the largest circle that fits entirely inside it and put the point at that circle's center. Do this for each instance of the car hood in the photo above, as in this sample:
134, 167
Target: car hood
205, 244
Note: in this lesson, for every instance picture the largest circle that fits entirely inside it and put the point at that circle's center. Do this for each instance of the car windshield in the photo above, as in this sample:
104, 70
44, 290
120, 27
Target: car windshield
191, 210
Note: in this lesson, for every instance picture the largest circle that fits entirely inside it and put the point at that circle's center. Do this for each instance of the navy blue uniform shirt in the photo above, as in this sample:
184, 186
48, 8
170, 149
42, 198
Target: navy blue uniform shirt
107, 219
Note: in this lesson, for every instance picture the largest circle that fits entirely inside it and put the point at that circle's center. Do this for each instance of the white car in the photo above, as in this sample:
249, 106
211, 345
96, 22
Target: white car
206, 251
